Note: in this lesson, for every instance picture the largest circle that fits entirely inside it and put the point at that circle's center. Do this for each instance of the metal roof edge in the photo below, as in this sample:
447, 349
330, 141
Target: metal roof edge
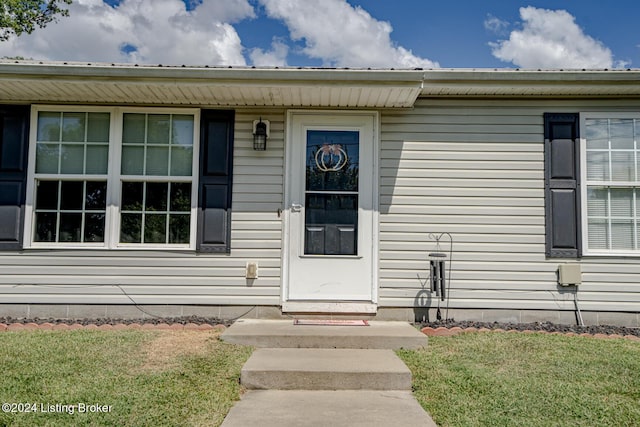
69, 70
509, 82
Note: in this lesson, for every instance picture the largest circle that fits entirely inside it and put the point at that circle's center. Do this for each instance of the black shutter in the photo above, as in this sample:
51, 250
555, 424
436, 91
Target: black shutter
562, 185
14, 140
214, 195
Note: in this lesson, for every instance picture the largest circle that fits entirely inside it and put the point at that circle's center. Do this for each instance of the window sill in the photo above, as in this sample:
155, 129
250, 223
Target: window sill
611, 254
114, 249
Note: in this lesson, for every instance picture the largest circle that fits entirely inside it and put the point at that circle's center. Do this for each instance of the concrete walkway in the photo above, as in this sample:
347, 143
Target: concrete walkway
309, 375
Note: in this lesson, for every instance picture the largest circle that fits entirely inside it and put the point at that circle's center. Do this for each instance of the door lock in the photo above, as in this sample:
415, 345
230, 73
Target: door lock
296, 207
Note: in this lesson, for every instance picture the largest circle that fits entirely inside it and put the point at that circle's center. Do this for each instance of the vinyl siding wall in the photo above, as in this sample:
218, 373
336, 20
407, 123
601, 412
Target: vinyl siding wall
174, 277
475, 169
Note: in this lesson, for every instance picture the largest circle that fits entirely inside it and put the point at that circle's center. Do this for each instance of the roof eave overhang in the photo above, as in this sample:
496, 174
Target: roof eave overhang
531, 83
202, 86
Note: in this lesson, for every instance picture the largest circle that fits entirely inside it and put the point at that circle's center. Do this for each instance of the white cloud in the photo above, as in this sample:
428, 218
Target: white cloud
276, 57
342, 35
496, 25
155, 31
551, 39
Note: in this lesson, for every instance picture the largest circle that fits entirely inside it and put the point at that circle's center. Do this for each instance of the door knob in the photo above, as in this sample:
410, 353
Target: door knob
296, 207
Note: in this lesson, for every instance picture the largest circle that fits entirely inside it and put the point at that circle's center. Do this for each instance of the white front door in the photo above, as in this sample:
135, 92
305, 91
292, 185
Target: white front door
330, 236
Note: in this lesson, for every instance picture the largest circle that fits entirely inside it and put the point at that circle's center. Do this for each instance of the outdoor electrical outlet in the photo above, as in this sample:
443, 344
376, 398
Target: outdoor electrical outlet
569, 274
252, 270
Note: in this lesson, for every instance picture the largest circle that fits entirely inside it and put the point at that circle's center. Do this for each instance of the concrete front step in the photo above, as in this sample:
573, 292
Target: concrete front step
325, 369
295, 408
284, 334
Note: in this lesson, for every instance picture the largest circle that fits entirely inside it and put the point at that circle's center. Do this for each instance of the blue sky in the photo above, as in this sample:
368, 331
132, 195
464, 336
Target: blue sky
343, 33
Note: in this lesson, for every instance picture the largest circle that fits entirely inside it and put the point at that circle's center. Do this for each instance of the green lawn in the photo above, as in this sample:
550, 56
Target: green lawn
148, 378
512, 379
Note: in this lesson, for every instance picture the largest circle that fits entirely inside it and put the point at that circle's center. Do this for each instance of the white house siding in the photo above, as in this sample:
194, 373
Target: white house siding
475, 168
174, 277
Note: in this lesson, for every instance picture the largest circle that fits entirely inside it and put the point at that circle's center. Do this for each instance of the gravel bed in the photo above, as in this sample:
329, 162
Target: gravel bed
113, 321
542, 326
538, 326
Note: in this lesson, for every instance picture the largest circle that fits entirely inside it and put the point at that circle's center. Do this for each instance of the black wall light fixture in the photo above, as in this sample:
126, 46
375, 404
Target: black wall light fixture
260, 134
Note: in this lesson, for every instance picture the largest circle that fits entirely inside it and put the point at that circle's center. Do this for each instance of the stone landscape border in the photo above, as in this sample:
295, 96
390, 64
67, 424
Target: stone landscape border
441, 331
47, 326
200, 324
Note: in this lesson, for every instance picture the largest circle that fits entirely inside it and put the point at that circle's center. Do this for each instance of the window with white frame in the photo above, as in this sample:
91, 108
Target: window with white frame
111, 177
611, 183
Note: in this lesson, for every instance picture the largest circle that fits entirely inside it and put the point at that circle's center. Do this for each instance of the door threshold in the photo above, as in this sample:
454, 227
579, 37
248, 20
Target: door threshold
329, 307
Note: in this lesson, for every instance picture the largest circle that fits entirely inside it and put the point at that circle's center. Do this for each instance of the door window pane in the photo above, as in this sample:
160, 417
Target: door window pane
332, 160
331, 169
331, 223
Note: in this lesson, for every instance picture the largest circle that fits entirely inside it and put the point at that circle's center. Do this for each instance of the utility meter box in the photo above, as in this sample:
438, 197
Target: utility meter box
569, 274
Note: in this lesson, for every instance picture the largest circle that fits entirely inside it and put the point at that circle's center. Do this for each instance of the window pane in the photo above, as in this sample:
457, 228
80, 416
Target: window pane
98, 128
597, 201
45, 226
597, 166
156, 197
623, 166
48, 126
332, 159
181, 161
331, 223
157, 161
133, 128
132, 161
47, 158
71, 195
180, 197
70, 226
94, 228
182, 130
621, 202
155, 228
131, 228
179, 228
73, 127
598, 236
96, 198
47, 195
72, 159
97, 159
132, 196
621, 133
621, 234
159, 128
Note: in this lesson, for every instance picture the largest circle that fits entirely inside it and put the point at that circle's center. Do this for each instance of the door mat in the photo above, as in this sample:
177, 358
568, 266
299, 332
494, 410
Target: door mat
333, 322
